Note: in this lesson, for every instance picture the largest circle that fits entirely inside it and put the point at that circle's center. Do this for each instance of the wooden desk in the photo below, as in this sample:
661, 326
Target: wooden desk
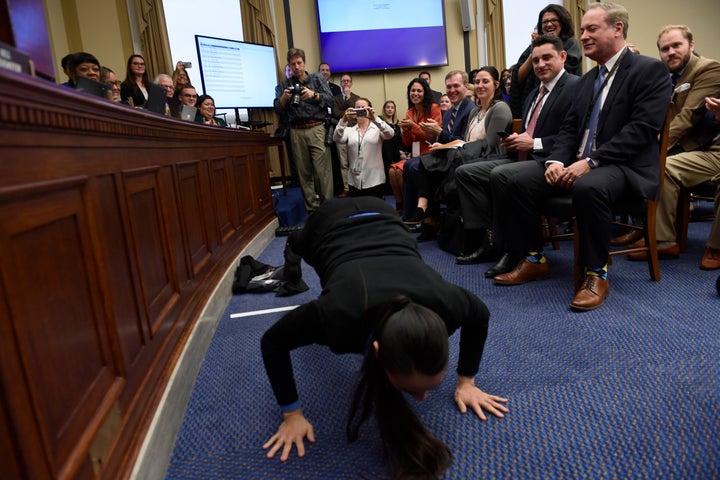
115, 224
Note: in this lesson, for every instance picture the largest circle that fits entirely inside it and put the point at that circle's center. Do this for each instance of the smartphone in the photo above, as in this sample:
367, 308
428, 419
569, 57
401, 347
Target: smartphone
502, 134
360, 112
187, 64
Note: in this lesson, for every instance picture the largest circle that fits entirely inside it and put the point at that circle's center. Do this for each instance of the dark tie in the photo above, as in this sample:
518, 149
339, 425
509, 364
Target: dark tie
595, 114
674, 78
452, 119
533, 119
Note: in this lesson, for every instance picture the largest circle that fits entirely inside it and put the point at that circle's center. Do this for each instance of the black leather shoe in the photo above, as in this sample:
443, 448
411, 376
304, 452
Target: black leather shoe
486, 253
507, 263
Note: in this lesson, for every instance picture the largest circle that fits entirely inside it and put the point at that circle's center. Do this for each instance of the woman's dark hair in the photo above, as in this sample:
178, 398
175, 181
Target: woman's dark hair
77, 59
411, 339
566, 26
496, 77
130, 77
427, 100
202, 98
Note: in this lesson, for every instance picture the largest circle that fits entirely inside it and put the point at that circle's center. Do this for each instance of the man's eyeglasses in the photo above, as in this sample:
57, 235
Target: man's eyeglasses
345, 80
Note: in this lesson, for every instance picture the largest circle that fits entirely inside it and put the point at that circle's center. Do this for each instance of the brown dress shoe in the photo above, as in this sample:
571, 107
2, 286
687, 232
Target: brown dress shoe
628, 238
673, 251
344, 194
711, 259
526, 271
591, 295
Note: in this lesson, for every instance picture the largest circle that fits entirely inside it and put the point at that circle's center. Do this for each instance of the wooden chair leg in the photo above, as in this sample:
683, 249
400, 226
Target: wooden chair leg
577, 268
651, 240
682, 219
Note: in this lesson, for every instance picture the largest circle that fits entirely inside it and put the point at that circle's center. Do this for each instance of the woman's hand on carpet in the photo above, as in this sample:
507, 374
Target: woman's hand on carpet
468, 395
294, 428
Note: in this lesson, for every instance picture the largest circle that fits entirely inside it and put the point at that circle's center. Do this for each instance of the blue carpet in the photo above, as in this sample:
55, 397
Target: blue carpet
631, 390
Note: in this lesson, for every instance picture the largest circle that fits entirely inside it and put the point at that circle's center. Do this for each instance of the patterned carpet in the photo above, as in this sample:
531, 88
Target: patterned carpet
631, 390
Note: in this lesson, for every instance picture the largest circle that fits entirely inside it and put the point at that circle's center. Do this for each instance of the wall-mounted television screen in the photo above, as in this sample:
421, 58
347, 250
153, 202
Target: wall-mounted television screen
237, 74
382, 34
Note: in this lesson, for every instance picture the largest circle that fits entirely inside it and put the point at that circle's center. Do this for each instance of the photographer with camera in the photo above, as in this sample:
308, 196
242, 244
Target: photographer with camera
363, 141
304, 98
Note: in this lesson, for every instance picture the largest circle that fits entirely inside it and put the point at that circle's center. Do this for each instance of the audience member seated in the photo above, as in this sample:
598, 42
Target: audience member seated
392, 149
346, 99
688, 169
629, 95
428, 78
108, 76
504, 83
206, 112
694, 78
64, 63
552, 20
82, 64
483, 214
133, 89
363, 141
188, 96
172, 102
421, 108
453, 127
482, 141
444, 103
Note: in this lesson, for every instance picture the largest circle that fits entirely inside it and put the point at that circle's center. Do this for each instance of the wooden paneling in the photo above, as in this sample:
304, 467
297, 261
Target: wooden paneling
114, 226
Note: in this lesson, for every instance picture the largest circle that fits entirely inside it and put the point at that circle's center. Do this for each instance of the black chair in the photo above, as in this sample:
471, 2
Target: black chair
562, 207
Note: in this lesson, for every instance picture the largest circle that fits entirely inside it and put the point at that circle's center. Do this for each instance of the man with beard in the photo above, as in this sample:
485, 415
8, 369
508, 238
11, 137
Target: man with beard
694, 78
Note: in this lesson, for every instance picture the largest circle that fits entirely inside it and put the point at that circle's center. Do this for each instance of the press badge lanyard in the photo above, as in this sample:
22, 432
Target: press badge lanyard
597, 97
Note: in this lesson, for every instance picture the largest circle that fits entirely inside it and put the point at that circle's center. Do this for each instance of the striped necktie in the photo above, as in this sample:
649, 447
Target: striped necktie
595, 114
452, 119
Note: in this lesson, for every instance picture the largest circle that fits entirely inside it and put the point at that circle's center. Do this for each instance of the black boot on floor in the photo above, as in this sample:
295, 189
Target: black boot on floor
507, 263
487, 252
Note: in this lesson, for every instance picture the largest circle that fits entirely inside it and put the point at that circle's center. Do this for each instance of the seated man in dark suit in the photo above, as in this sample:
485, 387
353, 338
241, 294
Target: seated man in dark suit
607, 149
454, 124
543, 113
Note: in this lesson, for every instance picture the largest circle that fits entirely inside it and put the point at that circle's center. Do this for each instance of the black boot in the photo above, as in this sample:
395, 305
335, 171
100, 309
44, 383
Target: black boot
487, 252
507, 263
472, 239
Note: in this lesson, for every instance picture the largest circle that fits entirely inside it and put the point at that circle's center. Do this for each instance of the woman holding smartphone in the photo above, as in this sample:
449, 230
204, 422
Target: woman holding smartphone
366, 172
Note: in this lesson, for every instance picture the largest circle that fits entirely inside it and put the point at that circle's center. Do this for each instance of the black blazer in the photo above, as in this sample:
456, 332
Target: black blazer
128, 90
631, 118
552, 114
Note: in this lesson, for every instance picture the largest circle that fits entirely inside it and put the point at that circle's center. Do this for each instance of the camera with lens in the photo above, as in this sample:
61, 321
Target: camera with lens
295, 90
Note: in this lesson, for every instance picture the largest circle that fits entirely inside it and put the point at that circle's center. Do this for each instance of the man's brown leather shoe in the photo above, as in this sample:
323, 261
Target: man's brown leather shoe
344, 194
673, 251
631, 236
711, 259
526, 271
592, 294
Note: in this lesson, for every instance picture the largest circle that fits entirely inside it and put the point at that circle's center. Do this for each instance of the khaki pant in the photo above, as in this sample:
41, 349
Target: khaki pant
687, 169
314, 165
344, 165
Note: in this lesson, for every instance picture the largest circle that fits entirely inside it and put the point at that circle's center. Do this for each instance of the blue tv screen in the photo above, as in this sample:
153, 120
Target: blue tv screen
382, 34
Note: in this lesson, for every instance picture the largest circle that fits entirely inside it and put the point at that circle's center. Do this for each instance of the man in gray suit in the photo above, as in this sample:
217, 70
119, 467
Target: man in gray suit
543, 113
